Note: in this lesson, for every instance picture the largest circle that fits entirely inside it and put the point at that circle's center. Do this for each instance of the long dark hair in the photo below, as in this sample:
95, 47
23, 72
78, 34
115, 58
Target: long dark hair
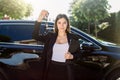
59, 16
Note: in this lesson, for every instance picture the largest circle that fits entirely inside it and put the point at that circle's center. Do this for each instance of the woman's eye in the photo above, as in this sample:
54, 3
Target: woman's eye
65, 22
58, 22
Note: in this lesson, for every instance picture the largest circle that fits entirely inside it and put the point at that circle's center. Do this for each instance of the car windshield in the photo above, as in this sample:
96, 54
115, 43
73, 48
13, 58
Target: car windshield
98, 39
105, 42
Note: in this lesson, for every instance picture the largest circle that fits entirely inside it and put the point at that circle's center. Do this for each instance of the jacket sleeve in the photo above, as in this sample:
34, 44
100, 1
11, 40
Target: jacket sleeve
74, 47
36, 31
77, 54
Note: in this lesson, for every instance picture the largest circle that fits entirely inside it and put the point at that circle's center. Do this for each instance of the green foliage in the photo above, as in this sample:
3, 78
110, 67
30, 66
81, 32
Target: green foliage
1, 15
16, 9
111, 33
117, 28
89, 11
29, 10
95, 10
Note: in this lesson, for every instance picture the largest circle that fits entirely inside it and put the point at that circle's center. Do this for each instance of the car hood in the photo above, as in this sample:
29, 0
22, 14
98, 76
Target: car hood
112, 48
108, 43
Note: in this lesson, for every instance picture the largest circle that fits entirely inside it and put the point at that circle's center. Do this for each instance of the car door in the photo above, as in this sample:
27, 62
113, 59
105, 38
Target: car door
21, 61
90, 66
21, 56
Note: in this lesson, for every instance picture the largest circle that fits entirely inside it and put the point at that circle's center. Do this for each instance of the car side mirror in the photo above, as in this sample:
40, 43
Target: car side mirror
87, 47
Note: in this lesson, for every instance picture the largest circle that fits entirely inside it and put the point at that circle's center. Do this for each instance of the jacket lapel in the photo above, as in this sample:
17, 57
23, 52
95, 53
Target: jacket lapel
69, 38
50, 49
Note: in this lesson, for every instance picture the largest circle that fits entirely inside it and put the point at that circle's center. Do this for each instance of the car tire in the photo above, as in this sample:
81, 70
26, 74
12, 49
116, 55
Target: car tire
114, 75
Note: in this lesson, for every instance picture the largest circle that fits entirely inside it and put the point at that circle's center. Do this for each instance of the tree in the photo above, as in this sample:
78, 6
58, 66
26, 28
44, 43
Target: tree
90, 11
117, 27
16, 9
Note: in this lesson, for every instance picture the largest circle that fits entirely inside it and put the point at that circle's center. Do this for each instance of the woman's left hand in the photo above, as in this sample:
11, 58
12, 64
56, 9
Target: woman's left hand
68, 55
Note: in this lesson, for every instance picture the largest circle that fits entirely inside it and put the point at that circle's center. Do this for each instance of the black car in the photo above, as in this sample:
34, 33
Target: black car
20, 55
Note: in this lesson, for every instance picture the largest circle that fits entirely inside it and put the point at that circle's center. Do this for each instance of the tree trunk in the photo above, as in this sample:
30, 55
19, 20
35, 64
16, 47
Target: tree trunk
88, 27
96, 30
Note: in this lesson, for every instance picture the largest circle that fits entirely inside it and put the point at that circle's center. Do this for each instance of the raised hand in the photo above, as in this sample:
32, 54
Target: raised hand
43, 14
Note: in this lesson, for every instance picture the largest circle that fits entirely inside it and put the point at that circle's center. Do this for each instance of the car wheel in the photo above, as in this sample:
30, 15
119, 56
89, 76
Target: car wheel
114, 75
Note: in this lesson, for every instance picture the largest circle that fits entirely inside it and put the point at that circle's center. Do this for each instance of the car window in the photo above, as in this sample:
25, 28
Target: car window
20, 32
85, 41
16, 31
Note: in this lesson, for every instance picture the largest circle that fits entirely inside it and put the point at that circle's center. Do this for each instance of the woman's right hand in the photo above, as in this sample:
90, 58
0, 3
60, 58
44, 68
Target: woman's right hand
43, 14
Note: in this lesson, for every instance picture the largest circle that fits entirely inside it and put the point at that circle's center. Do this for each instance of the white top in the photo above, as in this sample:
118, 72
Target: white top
59, 51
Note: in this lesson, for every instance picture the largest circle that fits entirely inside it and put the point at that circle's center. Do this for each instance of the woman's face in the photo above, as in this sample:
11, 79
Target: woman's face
62, 24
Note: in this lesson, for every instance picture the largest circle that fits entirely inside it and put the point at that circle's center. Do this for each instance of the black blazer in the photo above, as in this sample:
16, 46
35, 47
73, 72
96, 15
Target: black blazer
49, 40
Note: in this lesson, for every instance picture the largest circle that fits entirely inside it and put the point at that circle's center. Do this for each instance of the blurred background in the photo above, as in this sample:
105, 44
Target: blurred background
99, 18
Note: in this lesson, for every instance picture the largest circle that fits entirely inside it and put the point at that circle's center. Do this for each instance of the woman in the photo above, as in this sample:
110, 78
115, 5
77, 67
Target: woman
60, 48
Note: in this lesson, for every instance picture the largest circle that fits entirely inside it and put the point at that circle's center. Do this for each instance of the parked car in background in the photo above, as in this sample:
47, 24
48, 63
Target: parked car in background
20, 55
